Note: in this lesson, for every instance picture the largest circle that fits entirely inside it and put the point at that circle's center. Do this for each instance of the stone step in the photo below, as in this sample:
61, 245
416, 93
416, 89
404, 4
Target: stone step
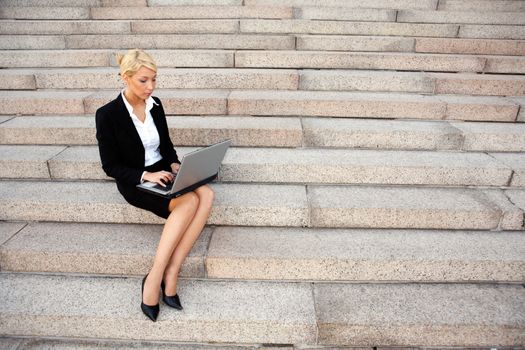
77, 102
439, 83
114, 249
184, 131
185, 26
285, 132
106, 58
517, 162
168, 78
49, 130
54, 58
42, 102
421, 315
380, 61
17, 79
491, 31
355, 43
70, 13
326, 80
113, 3
191, 12
235, 204
87, 3
358, 60
361, 255
479, 84
264, 253
380, 134
32, 42
521, 101
464, 17
482, 5
174, 102
28, 160
481, 136
374, 4
286, 313
371, 105
266, 42
362, 167
272, 59
480, 108
310, 26
41, 27
470, 46
187, 41
357, 80
425, 208
52, 3
510, 64
277, 205
194, 2
346, 14
222, 312
275, 103
410, 135
37, 343
271, 165
517, 197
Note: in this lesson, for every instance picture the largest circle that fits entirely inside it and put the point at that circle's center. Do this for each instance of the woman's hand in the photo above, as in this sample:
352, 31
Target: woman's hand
160, 177
175, 167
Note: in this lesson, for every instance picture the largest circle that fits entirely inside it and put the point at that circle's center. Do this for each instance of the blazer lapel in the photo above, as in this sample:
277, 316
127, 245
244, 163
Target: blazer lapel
155, 113
126, 123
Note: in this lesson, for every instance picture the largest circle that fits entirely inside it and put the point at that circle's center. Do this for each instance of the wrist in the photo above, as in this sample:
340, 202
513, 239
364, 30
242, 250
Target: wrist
143, 177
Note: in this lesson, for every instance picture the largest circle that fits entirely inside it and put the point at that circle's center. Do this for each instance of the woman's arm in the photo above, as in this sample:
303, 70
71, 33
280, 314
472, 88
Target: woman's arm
166, 146
109, 152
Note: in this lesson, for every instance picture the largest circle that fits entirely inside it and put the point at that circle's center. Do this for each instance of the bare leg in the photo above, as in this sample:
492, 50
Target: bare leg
183, 209
206, 195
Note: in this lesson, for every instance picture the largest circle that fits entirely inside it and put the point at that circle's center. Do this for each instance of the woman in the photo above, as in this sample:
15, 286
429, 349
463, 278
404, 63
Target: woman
135, 146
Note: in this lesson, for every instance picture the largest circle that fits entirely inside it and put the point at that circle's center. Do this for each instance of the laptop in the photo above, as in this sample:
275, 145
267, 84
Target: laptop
196, 169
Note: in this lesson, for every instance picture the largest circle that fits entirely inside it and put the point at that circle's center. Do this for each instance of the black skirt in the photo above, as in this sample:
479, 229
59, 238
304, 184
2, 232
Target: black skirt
144, 200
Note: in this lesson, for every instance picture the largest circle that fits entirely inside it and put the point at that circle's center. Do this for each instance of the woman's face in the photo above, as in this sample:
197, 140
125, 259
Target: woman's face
142, 83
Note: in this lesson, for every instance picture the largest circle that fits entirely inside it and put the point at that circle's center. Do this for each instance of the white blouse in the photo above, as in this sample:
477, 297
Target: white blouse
147, 131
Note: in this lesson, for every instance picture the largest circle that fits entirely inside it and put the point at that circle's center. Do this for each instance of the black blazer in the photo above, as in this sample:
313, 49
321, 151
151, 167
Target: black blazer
119, 144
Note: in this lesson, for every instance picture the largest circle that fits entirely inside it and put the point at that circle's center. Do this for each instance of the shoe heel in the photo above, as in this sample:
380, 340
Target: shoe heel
172, 301
152, 312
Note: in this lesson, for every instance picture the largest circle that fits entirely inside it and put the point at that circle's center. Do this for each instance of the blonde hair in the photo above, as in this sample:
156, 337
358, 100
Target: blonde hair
131, 62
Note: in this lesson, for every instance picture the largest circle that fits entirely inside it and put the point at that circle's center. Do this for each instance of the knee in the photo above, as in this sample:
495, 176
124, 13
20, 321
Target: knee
206, 195
191, 200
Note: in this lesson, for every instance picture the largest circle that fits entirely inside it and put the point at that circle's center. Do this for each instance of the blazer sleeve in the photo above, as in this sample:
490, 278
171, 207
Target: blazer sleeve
166, 146
109, 150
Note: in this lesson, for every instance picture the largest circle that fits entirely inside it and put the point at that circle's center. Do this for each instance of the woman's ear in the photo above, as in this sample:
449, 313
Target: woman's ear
124, 78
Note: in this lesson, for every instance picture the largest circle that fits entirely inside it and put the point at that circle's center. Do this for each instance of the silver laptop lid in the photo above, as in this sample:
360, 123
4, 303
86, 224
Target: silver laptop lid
199, 165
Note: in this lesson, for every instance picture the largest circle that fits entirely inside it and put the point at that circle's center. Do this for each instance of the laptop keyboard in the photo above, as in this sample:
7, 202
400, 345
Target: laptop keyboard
166, 189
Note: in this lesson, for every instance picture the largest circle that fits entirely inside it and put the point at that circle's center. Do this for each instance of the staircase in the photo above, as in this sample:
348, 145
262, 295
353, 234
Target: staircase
374, 196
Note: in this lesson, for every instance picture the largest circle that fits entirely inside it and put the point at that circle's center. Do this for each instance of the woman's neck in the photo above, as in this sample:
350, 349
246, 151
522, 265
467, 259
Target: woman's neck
133, 99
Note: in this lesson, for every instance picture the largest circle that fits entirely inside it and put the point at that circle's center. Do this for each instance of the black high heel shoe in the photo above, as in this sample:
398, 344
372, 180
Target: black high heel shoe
172, 301
151, 311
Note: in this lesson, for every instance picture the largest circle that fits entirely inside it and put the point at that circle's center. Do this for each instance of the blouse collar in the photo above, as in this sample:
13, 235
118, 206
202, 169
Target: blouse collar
149, 103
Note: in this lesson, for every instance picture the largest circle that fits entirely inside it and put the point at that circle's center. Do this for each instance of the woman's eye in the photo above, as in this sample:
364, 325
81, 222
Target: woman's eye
142, 81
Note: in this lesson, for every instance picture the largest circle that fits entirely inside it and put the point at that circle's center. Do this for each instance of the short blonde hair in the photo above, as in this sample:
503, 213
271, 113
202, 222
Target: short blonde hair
133, 60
